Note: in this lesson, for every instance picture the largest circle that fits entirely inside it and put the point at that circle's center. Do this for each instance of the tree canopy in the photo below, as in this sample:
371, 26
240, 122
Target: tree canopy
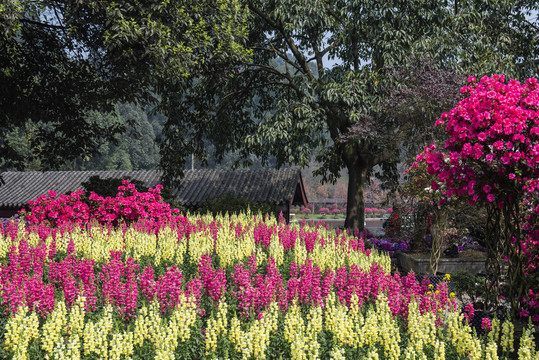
287, 99
61, 59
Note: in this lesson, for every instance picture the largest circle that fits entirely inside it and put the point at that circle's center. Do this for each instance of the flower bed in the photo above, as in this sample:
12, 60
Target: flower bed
237, 288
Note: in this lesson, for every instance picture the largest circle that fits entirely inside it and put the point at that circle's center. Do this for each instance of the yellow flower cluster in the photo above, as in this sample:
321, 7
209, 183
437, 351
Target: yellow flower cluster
494, 333
526, 349
422, 328
389, 329
76, 317
200, 243
121, 344
163, 334
376, 330
276, 250
96, 242
178, 327
139, 244
345, 327
232, 250
410, 353
370, 329
337, 353
507, 339
439, 350
460, 335
303, 337
20, 330
491, 351
96, 334
54, 328
60, 343
216, 326
255, 341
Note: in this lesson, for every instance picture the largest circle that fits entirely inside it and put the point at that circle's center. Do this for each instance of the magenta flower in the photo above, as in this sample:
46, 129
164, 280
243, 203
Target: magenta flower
486, 324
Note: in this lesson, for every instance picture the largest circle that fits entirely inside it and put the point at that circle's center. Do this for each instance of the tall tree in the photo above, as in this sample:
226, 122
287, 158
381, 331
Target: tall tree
59, 59
288, 110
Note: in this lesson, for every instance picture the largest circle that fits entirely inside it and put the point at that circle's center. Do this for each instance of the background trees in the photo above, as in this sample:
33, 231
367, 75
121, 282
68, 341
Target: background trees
292, 101
317, 82
62, 59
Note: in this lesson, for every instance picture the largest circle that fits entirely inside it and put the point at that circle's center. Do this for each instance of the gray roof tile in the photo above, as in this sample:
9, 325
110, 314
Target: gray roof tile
263, 185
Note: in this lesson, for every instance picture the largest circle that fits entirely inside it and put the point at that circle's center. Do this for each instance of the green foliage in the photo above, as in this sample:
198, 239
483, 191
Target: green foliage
62, 59
288, 101
109, 186
467, 287
234, 204
134, 150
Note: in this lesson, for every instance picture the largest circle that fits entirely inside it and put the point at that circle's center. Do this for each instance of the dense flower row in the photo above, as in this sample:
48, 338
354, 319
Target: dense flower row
231, 288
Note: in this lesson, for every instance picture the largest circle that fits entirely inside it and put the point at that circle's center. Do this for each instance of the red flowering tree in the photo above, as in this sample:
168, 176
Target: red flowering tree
493, 159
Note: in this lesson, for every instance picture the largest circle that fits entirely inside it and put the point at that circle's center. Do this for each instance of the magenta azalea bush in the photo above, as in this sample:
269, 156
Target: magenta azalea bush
128, 206
493, 144
491, 158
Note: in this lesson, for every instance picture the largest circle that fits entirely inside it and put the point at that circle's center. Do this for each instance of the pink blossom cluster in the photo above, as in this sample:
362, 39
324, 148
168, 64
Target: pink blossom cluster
493, 141
288, 237
66, 208
22, 280
305, 285
308, 286
128, 206
120, 286
73, 276
166, 290
120, 283
254, 291
262, 234
375, 211
492, 156
401, 290
305, 210
530, 248
469, 313
214, 281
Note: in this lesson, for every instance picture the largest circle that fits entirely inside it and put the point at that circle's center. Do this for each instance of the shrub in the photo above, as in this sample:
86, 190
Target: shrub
492, 158
128, 206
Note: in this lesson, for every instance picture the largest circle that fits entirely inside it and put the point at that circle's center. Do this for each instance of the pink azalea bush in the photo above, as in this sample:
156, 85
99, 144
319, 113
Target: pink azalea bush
491, 157
128, 207
493, 141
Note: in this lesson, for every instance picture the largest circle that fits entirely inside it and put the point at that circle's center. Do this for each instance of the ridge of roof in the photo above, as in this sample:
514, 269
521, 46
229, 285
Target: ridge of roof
257, 185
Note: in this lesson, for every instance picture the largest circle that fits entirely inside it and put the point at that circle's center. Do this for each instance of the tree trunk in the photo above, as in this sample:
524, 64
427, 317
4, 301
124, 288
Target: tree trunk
355, 210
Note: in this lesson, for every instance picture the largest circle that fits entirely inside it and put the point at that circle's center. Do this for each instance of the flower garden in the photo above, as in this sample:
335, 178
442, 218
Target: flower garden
234, 287
103, 281
127, 277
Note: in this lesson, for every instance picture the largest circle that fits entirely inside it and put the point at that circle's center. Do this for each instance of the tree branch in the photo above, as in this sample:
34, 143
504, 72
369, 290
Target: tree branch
51, 26
295, 51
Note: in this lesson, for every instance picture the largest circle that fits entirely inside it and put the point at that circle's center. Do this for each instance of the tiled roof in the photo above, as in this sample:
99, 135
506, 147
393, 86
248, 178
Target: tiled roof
264, 185
23, 186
